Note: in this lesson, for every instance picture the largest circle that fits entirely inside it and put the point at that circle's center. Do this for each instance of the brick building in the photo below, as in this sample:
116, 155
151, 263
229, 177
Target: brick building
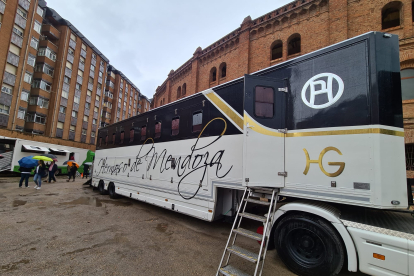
295, 29
53, 77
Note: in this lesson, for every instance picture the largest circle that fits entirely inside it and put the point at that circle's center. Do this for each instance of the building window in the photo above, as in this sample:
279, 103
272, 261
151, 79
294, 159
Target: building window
47, 53
39, 11
83, 131
93, 134
80, 73
96, 109
34, 43
83, 46
93, 55
157, 130
28, 77
223, 70
90, 80
24, 96
87, 105
89, 93
37, 26
179, 92
74, 114
263, 102
21, 113
391, 15
42, 85
412, 10
62, 109
78, 86
35, 118
277, 49
71, 51
143, 133
92, 67
407, 84
72, 128
42, 67
76, 99
22, 13
97, 98
175, 126
42, 102
294, 46
65, 94
17, 30
66, 80
31, 60
4, 109
5, 88
197, 121
94, 121
59, 125
213, 74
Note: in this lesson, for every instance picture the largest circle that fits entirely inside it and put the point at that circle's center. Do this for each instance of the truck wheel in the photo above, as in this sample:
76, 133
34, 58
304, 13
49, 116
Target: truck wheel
101, 188
111, 191
309, 245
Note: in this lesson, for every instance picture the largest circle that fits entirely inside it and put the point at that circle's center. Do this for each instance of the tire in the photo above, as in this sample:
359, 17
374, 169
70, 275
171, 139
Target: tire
309, 245
101, 188
111, 191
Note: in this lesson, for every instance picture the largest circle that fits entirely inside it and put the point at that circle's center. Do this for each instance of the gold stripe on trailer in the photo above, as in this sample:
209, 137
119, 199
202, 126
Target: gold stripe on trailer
232, 115
255, 126
348, 132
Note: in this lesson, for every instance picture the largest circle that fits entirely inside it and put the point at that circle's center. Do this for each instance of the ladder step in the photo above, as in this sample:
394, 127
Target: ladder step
254, 217
257, 201
229, 270
246, 254
249, 234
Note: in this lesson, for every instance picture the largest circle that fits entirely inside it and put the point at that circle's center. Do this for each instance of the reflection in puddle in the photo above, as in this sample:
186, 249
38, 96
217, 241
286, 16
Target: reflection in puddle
17, 203
13, 266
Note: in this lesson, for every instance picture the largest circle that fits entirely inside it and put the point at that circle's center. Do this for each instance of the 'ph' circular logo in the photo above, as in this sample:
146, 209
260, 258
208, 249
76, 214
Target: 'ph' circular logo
318, 85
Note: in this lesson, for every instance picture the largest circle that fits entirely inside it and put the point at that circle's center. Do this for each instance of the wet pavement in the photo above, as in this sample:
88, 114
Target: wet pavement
70, 229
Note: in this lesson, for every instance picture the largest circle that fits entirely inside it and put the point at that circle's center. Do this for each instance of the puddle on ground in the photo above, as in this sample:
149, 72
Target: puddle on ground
162, 227
17, 203
13, 266
95, 201
51, 194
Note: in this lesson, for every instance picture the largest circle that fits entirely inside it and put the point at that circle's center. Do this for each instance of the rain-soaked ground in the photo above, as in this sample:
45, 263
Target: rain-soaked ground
70, 229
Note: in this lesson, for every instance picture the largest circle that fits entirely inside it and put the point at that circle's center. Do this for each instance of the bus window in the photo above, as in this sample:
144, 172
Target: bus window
175, 126
131, 135
143, 133
157, 130
197, 121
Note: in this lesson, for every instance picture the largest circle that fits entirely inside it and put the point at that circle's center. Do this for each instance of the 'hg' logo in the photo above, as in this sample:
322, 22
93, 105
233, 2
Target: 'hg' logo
325, 88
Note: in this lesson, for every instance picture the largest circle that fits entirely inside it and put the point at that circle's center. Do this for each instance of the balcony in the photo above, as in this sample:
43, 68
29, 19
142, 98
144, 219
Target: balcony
73, 121
59, 133
20, 21
46, 43
100, 80
70, 58
50, 32
79, 79
68, 72
61, 117
71, 135
9, 78
17, 40
2, 7
85, 125
13, 59
72, 44
88, 99
24, 4
90, 86
75, 107
83, 53
81, 66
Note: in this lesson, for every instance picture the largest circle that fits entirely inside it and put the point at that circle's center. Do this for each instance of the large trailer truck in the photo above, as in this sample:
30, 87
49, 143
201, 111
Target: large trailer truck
323, 131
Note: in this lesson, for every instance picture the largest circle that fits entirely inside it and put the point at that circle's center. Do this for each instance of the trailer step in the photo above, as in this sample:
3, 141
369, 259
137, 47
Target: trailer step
246, 254
229, 270
257, 201
253, 217
249, 234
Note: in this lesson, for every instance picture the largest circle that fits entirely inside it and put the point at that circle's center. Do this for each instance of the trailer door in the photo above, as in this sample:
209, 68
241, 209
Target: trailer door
264, 139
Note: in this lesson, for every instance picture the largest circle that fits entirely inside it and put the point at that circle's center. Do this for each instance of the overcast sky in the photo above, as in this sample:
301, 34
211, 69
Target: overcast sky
146, 39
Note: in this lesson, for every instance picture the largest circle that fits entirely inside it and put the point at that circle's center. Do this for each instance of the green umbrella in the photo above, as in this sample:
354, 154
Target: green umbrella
44, 158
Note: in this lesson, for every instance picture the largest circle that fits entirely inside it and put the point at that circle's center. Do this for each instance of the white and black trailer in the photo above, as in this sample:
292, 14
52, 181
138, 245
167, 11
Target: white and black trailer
324, 130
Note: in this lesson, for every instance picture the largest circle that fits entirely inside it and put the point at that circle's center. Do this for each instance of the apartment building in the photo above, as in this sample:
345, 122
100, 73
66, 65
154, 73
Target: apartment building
54, 78
122, 99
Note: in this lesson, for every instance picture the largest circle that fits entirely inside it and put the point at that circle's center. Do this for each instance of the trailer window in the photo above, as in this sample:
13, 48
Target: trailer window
143, 133
122, 137
175, 126
264, 102
197, 121
113, 138
131, 135
157, 130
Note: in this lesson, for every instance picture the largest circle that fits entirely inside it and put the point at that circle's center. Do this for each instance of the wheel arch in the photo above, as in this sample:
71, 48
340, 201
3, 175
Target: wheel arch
330, 214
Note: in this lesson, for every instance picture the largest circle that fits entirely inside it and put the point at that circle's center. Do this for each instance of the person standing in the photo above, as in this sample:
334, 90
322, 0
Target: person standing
39, 172
72, 172
24, 175
52, 169
85, 171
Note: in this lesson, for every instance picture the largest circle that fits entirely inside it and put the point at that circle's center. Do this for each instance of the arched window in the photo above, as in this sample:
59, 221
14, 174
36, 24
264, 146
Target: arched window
407, 84
178, 92
184, 89
391, 15
412, 10
294, 44
223, 70
131, 135
213, 74
122, 137
277, 49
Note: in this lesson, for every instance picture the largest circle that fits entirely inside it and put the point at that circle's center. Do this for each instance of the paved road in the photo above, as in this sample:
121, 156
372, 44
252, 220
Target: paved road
69, 229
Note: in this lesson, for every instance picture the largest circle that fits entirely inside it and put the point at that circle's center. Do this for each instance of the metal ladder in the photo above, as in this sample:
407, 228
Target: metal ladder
259, 258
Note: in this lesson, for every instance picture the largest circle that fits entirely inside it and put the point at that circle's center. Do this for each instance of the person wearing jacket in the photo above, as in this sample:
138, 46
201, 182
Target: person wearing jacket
25, 174
52, 169
39, 172
72, 172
